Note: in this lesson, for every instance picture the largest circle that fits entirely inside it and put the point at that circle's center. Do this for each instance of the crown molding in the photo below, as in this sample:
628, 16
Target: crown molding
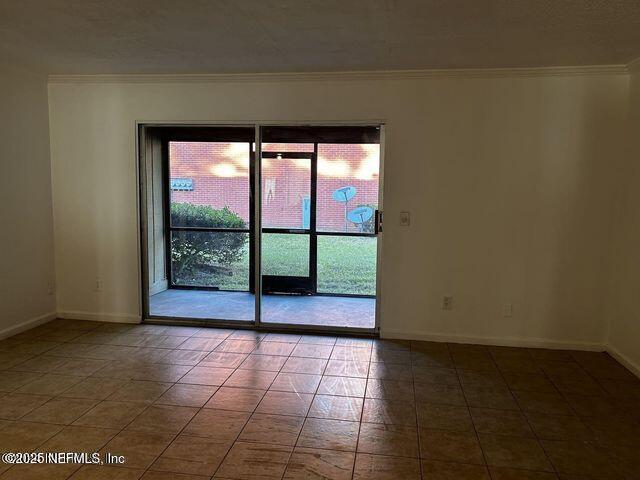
634, 65
342, 76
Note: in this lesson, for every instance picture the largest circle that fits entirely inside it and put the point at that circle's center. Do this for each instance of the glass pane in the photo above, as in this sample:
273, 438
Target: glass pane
285, 254
347, 187
209, 184
286, 192
210, 259
347, 265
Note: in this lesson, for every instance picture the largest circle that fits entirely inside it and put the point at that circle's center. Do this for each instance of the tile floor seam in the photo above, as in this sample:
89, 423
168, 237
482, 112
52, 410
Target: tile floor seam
39, 446
175, 436
466, 400
125, 427
307, 415
522, 412
46, 440
415, 403
575, 411
366, 385
246, 422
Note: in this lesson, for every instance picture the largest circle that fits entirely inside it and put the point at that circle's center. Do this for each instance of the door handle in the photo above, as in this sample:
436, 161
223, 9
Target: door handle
377, 222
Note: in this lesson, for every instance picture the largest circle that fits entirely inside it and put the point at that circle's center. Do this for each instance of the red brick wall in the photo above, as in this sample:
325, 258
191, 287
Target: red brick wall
220, 174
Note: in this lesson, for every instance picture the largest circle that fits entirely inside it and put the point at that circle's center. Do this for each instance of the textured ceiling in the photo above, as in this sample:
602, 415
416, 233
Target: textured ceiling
228, 36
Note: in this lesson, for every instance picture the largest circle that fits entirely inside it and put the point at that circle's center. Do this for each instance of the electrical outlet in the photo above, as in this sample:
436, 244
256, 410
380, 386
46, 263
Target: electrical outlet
51, 287
405, 219
98, 285
447, 302
507, 310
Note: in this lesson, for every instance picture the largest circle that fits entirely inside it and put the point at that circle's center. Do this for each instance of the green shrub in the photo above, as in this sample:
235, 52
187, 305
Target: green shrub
204, 216
195, 255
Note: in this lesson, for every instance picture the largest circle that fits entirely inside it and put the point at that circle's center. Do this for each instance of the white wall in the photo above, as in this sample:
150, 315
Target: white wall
624, 297
508, 181
26, 239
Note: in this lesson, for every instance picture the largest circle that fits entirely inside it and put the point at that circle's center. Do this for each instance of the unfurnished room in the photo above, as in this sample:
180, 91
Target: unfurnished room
340, 240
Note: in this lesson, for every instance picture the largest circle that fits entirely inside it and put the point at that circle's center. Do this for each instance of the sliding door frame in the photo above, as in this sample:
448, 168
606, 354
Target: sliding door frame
141, 140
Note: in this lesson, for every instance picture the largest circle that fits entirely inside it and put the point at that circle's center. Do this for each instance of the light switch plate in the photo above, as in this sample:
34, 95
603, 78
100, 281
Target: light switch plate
405, 219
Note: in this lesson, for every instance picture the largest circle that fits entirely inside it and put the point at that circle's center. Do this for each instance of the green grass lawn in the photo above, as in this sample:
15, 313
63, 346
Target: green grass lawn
345, 264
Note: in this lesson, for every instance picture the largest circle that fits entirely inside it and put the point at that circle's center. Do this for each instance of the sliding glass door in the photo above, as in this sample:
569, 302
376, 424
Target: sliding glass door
310, 262
319, 205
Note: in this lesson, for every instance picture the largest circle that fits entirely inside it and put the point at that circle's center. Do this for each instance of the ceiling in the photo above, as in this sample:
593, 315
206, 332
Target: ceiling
237, 36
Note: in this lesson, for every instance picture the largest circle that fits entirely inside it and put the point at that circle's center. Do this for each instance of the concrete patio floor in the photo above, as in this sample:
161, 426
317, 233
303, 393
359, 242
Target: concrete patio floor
290, 309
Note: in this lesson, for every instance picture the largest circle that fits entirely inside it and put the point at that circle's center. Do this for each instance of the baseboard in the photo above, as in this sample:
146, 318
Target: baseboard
499, 341
27, 324
101, 317
632, 366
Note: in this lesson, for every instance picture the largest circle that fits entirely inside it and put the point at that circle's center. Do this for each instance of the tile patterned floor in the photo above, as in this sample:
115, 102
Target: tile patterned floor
194, 403
354, 312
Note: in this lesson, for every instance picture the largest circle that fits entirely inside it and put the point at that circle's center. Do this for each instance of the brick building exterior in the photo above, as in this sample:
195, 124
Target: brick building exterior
217, 174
